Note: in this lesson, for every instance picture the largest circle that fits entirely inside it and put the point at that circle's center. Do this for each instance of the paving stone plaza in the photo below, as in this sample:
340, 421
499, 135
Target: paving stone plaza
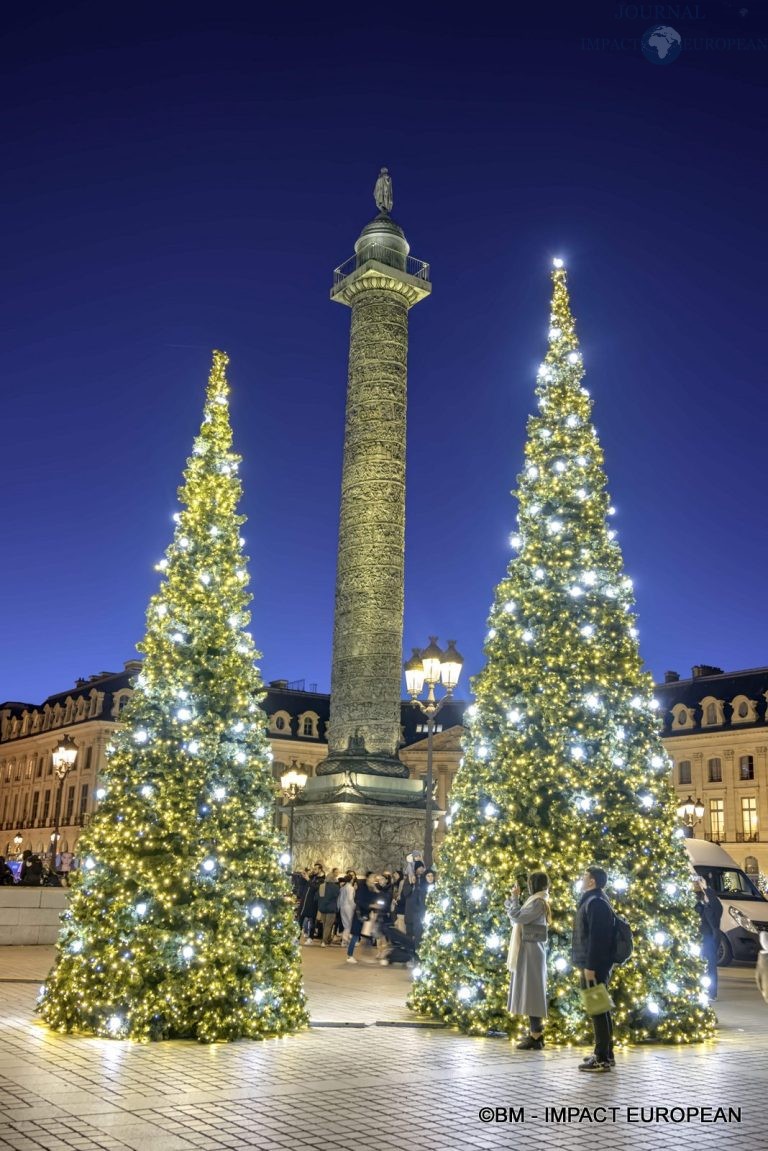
365, 1074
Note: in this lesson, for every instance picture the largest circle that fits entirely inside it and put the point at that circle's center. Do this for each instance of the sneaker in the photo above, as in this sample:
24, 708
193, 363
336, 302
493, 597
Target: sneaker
323, 944
308, 942
530, 1043
611, 1059
592, 1063
384, 963
351, 959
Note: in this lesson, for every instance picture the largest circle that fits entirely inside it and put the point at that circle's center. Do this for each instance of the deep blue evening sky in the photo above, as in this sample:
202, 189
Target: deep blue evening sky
179, 177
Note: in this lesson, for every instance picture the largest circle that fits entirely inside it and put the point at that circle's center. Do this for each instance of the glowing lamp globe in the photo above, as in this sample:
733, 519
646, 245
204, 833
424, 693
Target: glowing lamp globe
450, 666
431, 660
64, 755
414, 674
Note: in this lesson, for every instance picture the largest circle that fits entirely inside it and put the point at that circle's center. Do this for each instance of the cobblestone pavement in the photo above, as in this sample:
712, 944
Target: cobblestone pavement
365, 1075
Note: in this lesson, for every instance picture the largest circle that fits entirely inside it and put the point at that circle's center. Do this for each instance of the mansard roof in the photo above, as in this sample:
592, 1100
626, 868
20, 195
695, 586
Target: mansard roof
724, 686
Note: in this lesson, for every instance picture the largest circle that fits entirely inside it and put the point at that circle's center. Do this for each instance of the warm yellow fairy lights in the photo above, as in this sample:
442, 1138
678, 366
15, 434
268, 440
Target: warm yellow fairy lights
181, 923
563, 762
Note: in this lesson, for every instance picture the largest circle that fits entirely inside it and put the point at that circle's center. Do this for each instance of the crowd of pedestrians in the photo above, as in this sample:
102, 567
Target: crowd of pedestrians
384, 910
36, 870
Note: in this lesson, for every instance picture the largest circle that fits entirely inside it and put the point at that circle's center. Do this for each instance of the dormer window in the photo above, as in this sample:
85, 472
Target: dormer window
744, 710
682, 717
280, 723
308, 722
712, 712
120, 700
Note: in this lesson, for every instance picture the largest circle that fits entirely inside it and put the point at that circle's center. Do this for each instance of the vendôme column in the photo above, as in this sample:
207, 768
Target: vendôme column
380, 284
361, 810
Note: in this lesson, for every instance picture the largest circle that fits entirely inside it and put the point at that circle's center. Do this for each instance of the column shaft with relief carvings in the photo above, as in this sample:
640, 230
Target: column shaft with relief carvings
380, 284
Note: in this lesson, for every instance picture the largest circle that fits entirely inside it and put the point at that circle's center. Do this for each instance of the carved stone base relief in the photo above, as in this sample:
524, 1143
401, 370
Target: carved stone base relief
360, 838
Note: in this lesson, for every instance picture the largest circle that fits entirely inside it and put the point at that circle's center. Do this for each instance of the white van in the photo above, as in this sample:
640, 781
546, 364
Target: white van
745, 910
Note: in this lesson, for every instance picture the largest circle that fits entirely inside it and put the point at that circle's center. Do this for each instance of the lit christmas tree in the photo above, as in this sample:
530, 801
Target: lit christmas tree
181, 924
563, 764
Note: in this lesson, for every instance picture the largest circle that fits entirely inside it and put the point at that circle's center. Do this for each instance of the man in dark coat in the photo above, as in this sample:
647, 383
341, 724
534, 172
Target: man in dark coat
308, 909
710, 911
592, 952
328, 905
411, 900
32, 872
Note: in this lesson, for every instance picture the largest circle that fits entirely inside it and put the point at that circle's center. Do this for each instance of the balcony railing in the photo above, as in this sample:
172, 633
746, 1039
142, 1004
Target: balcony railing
747, 837
81, 819
389, 256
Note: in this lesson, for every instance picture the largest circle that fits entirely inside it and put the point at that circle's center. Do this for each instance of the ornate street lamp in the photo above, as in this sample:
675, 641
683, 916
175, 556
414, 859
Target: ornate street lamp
64, 756
292, 783
18, 839
432, 667
690, 813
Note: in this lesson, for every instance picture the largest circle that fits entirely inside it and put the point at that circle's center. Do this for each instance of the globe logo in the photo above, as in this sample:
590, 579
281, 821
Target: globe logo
661, 44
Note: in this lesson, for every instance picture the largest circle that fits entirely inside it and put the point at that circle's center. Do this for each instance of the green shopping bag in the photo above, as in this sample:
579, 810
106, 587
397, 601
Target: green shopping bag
595, 999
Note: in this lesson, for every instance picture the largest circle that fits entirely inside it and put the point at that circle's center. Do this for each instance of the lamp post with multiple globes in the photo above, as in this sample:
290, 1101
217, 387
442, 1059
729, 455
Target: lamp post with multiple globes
690, 812
292, 783
64, 756
432, 666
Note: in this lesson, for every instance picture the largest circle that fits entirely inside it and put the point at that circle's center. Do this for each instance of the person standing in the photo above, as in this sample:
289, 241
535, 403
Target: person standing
414, 903
417, 904
308, 910
366, 895
6, 875
328, 904
592, 951
527, 958
347, 905
710, 911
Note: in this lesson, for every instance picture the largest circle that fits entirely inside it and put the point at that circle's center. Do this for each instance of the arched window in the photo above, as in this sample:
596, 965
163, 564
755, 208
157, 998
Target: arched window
746, 767
308, 721
684, 771
711, 713
280, 722
751, 865
715, 770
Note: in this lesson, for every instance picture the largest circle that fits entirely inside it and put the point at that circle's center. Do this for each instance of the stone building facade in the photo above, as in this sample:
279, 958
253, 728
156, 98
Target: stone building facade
715, 731
297, 724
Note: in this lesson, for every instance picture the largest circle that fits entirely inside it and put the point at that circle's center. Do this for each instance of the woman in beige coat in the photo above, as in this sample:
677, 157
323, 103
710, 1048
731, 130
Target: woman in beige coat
527, 958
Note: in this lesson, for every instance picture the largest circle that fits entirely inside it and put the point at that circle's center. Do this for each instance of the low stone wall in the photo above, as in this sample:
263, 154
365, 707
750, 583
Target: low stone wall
30, 915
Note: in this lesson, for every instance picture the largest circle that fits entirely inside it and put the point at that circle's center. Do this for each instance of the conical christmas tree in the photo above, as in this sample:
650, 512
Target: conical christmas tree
563, 765
181, 923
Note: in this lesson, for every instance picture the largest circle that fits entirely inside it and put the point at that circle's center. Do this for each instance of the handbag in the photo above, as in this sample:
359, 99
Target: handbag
595, 999
367, 927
